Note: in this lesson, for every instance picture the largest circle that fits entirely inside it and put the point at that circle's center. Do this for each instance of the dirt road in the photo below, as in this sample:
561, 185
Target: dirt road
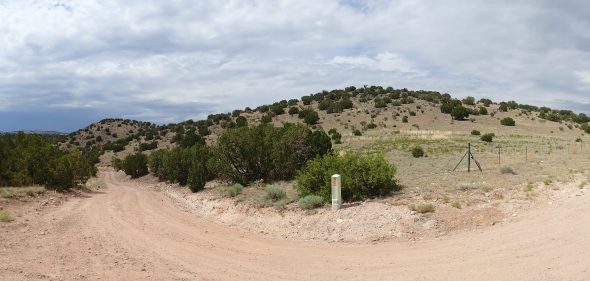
128, 233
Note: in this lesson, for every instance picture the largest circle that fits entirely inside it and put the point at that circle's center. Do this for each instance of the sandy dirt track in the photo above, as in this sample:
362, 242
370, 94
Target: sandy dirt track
126, 232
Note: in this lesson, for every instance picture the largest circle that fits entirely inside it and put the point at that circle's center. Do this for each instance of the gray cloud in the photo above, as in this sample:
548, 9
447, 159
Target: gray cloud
165, 61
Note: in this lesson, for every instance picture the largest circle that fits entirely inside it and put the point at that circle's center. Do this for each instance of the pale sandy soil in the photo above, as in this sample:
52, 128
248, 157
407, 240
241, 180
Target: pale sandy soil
126, 232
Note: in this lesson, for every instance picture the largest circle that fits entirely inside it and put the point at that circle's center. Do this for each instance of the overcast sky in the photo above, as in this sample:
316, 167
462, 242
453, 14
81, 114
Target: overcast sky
64, 64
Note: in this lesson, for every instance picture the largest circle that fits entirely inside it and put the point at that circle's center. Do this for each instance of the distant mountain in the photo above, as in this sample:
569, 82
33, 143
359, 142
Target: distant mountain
51, 135
37, 132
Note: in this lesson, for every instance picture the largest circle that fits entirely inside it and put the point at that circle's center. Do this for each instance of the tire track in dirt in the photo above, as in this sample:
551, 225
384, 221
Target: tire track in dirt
128, 233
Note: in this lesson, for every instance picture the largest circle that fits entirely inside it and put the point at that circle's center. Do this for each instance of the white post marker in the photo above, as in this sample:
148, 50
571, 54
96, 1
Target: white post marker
336, 192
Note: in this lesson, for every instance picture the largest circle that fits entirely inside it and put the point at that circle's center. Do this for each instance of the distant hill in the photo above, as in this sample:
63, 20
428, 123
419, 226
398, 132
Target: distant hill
353, 112
36, 132
52, 135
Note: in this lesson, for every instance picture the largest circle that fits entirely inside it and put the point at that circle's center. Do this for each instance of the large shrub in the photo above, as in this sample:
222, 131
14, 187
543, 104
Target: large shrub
28, 159
135, 165
69, 170
309, 116
508, 122
241, 121
266, 152
185, 166
460, 113
488, 137
448, 106
362, 177
418, 152
198, 173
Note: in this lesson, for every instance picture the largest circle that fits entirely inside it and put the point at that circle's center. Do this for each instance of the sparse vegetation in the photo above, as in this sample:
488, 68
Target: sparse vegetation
418, 152
17, 192
488, 137
456, 205
529, 187
583, 184
275, 193
311, 202
547, 181
234, 190
507, 170
422, 208
508, 122
5, 216
475, 133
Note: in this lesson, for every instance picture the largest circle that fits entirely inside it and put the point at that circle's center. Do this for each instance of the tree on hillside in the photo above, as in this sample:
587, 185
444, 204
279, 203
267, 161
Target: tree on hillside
310, 117
447, 107
469, 100
460, 113
241, 121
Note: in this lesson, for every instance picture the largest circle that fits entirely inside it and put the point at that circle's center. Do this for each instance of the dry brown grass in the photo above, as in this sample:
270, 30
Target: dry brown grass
5, 217
17, 192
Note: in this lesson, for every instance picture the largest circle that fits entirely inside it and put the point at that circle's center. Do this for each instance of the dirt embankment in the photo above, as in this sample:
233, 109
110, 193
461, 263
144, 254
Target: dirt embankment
387, 219
126, 232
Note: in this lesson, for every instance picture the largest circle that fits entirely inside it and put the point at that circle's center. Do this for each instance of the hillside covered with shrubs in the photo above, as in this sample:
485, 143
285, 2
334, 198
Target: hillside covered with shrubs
280, 141
353, 110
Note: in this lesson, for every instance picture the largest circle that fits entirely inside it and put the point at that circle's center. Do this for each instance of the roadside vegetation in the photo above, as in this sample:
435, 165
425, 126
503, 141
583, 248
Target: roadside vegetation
18, 192
363, 177
28, 159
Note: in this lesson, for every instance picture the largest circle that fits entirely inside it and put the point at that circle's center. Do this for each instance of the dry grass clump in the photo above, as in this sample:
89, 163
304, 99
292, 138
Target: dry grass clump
17, 192
422, 208
547, 181
529, 187
234, 190
275, 193
95, 183
311, 202
5, 217
507, 170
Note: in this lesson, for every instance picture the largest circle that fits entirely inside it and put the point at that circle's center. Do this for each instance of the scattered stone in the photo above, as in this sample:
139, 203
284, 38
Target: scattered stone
429, 224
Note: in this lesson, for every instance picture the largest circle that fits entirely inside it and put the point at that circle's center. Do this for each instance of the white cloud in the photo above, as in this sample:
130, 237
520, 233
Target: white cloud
110, 55
583, 77
381, 62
